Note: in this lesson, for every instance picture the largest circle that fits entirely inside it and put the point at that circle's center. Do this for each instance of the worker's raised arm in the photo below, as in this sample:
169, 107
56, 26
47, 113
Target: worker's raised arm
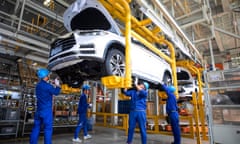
54, 90
127, 92
164, 87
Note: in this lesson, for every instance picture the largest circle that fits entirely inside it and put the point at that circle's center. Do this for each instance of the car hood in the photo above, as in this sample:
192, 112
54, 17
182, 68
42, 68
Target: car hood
89, 15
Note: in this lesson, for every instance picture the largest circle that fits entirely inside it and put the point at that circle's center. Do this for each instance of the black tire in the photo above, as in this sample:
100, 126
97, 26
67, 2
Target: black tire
167, 79
115, 63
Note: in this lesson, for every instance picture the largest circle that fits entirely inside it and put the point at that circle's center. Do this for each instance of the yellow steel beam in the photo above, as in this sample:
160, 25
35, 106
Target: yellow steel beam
156, 30
173, 66
145, 22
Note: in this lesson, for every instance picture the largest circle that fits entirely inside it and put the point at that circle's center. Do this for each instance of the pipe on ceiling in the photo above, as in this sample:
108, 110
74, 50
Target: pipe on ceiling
36, 58
63, 3
15, 11
174, 23
193, 23
190, 14
24, 38
24, 45
28, 23
227, 33
223, 31
21, 15
44, 11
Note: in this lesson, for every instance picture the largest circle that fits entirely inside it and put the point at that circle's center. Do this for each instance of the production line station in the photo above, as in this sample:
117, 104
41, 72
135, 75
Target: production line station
107, 49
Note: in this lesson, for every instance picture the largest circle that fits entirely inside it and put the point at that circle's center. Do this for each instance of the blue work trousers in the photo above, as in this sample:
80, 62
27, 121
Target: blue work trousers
140, 117
82, 123
44, 118
174, 120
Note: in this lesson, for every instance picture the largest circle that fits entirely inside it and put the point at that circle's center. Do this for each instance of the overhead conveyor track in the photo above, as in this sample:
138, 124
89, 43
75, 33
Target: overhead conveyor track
138, 29
155, 10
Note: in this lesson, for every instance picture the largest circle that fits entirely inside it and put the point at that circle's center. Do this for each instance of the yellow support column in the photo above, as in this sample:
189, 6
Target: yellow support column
195, 113
173, 66
201, 106
128, 72
114, 81
188, 64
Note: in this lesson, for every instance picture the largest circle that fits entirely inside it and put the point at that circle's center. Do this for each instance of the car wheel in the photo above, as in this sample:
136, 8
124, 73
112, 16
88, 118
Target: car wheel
167, 79
115, 63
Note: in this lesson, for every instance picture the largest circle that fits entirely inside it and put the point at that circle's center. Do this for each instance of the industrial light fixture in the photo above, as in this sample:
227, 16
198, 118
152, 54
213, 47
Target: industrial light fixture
34, 64
19, 60
47, 2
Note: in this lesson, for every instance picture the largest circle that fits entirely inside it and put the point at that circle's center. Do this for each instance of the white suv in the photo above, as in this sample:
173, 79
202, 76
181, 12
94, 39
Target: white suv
186, 83
95, 47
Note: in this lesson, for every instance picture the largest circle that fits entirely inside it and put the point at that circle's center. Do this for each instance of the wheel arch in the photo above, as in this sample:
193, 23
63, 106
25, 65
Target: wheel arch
167, 72
114, 44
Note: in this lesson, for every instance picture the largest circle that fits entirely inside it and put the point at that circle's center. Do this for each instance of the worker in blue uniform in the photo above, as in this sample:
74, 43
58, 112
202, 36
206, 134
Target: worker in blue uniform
43, 115
83, 106
137, 110
172, 111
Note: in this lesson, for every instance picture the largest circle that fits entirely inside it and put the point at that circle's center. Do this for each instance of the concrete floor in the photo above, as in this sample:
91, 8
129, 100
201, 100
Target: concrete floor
101, 135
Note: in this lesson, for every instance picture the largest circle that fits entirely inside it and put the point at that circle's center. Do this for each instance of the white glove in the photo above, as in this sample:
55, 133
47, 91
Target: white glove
90, 105
57, 83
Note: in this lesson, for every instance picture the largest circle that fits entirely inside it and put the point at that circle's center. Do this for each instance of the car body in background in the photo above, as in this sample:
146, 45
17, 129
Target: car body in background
187, 87
187, 84
95, 47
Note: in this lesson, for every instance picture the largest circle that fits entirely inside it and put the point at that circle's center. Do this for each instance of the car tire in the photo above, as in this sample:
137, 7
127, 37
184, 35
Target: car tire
167, 79
115, 63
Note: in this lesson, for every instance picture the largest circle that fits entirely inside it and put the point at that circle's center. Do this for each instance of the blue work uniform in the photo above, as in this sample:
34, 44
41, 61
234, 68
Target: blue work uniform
172, 111
82, 111
44, 114
137, 114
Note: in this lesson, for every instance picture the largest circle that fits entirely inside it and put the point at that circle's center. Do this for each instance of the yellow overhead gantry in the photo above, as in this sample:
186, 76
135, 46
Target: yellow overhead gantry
120, 9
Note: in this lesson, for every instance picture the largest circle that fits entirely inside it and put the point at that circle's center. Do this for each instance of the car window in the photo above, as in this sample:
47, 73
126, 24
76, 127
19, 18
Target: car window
188, 85
90, 19
183, 75
138, 43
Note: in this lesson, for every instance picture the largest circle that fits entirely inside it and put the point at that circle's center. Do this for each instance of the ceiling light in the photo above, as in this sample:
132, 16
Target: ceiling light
34, 64
47, 2
19, 60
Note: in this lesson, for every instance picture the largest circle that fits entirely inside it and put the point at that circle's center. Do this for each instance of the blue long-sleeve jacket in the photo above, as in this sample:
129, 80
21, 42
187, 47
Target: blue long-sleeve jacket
44, 93
171, 100
83, 104
138, 99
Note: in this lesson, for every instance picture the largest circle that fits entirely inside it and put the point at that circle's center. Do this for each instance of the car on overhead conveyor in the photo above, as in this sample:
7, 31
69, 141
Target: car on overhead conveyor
95, 47
187, 84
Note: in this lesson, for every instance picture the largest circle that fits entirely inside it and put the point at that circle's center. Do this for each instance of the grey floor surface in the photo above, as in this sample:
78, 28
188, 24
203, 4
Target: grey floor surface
102, 135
